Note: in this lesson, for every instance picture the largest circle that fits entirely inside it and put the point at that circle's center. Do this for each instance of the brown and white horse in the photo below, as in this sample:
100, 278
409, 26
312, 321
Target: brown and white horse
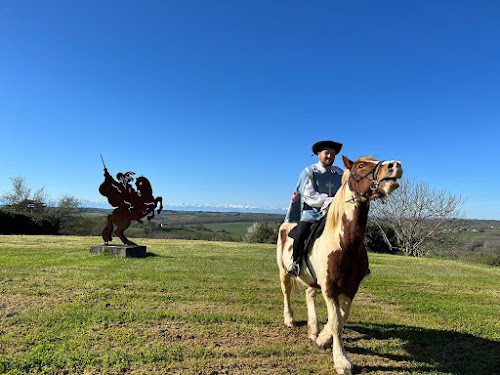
338, 257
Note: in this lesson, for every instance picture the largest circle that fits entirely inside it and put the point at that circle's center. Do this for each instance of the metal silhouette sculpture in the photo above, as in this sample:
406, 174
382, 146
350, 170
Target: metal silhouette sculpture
131, 204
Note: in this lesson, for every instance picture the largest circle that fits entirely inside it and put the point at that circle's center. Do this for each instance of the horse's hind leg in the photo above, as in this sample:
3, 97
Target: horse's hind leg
312, 318
107, 233
286, 288
119, 232
121, 225
125, 240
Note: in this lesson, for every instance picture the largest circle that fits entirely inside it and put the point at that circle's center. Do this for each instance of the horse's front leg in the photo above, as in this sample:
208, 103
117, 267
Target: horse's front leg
312, 318
333, 331
326, 336
286, 288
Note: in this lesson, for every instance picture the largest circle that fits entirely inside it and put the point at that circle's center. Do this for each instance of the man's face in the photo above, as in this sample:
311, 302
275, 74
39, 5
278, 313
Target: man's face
327, 157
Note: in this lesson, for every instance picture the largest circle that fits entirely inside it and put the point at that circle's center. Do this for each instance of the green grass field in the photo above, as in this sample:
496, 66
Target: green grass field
198, 307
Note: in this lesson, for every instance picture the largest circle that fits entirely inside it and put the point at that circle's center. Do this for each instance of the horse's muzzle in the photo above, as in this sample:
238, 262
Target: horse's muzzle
390, 172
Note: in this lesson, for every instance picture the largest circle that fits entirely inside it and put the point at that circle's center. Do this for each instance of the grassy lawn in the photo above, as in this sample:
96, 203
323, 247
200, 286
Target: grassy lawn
198, 307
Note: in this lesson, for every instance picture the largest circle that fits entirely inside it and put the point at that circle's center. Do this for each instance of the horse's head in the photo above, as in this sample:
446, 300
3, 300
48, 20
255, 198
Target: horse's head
144, 186
370, 178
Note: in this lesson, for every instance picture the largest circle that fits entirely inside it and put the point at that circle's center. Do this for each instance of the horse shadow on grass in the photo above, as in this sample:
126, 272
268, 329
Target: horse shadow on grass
433, 350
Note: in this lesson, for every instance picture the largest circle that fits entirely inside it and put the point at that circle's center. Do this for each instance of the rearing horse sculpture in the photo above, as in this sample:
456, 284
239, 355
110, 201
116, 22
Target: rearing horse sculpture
338, 257
131, 204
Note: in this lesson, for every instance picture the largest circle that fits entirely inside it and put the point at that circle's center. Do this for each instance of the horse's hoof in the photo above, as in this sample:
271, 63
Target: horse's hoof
344, 368
313, 337
290, 323
323, 344
342, 371
320, 343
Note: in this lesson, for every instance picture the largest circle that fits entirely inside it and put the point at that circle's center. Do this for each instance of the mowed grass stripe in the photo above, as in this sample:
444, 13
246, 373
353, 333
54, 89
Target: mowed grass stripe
214, 307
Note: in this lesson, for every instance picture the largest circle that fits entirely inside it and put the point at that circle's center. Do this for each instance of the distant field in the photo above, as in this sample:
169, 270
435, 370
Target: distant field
200, 307
470, 235
236, 228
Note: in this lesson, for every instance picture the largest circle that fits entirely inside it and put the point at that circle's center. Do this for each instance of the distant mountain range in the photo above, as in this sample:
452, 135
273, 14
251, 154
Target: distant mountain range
199, 207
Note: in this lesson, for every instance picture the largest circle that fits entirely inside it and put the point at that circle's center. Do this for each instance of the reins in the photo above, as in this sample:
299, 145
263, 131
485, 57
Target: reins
373, 184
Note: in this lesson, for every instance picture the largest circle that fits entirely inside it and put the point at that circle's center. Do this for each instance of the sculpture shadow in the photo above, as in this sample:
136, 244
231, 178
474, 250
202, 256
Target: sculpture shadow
433, 350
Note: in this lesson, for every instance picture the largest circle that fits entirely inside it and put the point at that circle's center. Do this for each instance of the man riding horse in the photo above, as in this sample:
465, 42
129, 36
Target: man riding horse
316, 187
337, 261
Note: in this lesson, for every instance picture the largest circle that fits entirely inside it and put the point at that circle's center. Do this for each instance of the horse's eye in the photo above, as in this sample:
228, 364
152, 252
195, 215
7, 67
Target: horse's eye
361, 166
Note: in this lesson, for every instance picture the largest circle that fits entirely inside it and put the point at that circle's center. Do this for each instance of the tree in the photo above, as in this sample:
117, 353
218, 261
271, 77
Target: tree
21, 201
66, 213
422, 218
61, 216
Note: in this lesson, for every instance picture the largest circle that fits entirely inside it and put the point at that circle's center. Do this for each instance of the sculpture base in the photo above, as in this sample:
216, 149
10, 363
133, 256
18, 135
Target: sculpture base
134, 251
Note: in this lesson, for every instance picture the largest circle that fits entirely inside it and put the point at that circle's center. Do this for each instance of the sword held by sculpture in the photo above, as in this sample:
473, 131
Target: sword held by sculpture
131, 204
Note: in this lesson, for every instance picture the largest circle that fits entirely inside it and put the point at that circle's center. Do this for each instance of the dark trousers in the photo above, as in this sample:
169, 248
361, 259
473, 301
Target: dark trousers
300, 237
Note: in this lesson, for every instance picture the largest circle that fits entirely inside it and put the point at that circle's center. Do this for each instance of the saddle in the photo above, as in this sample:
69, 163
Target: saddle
315, 231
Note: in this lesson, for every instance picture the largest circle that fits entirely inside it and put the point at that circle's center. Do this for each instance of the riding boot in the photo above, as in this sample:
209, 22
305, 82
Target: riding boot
302, 231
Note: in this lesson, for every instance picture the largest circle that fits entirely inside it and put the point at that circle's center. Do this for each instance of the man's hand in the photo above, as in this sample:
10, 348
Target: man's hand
327, 203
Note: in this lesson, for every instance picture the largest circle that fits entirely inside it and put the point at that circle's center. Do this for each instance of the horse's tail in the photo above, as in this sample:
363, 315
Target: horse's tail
283, 243
295, 285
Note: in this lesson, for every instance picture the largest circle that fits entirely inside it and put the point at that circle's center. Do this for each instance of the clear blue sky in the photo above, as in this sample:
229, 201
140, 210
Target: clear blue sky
220, 101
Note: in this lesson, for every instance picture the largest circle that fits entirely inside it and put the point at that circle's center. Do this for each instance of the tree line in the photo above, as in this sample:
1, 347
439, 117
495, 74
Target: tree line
25, 211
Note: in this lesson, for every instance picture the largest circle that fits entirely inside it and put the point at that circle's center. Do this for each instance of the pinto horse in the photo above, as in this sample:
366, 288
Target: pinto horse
338, 257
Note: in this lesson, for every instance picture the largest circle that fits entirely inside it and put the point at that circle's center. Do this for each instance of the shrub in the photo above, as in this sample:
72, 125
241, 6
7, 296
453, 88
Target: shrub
261, 232
375, 241
493, 260
15, 223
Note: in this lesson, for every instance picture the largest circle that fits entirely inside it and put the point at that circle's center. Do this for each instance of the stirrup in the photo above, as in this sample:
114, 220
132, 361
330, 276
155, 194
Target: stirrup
294, 269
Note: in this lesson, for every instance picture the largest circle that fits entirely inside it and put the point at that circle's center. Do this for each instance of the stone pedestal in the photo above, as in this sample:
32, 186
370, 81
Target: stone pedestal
120, 250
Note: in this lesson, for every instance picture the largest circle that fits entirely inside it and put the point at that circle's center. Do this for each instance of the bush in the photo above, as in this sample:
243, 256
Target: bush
374, 239
14, 223
261, 233
493, 261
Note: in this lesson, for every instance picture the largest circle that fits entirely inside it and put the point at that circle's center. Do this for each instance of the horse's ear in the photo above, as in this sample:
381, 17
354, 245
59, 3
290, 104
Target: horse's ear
348, 163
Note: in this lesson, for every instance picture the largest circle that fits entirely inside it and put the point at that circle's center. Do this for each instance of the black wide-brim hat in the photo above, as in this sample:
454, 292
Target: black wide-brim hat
321, 145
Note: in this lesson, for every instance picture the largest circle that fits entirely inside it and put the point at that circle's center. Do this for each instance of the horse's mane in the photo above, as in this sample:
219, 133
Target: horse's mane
336, 209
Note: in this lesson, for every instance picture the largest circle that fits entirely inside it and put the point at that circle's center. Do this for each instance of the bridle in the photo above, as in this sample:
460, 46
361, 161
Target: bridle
357, 177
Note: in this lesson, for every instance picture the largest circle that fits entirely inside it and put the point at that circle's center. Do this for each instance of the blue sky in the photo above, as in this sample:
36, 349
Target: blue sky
220, 101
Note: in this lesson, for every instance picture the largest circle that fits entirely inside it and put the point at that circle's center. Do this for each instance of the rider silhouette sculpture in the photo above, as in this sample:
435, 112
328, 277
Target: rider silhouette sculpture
131, 204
